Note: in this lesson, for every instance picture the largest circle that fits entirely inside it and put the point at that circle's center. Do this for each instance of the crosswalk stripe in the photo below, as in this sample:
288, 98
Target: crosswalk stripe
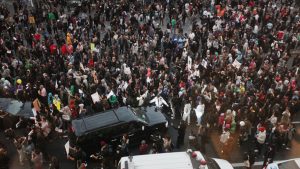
242, 164
258, 163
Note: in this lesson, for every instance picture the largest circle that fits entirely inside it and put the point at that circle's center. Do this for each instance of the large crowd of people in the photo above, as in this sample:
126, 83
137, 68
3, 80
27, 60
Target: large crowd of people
229, 61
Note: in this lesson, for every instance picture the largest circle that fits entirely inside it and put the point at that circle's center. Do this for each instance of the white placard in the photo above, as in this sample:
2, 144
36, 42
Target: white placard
111, 93
127, 71
189, 63
204, 63
236, 64
34, 112
95, 97
67, 147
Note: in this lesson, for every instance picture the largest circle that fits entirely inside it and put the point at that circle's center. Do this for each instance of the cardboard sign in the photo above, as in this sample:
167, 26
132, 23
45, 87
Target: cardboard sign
36, 105
204, 63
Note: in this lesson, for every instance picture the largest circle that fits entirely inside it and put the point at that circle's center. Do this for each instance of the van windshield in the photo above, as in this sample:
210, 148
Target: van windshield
211, 163
140, 114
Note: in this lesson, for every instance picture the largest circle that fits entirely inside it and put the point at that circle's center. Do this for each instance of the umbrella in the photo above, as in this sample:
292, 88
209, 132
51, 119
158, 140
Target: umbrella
16, 107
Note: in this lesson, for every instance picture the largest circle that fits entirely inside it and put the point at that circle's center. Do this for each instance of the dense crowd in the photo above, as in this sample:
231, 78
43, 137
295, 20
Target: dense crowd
228, 63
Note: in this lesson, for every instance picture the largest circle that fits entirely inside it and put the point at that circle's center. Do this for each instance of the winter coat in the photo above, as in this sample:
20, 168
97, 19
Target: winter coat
261, 137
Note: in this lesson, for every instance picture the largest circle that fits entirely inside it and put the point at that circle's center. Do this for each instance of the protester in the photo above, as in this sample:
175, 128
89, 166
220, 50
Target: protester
260, 139
181, 134
249, 159
20, 145
4, 159
143, 148
78, 156
167, 144
37, 159
54, 163
203, 136
269, 155
224, 139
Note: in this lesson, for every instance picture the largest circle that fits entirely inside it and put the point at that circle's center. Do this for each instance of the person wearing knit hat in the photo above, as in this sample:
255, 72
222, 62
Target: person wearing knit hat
19, 89
244, 132
260, 138
19, 81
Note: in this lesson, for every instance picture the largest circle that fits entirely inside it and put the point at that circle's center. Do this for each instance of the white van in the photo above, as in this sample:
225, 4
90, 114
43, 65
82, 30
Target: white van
291, 164
178, 160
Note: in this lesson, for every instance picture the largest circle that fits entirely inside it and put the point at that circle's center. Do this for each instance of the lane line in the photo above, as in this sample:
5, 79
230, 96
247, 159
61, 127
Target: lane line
243, 165
257, 163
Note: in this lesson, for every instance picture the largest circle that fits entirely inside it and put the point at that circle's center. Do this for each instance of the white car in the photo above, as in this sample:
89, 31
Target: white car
174, 160
286, 164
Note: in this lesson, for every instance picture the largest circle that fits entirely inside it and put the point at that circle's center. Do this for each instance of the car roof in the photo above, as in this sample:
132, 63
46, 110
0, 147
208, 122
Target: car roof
100, 120
163, 160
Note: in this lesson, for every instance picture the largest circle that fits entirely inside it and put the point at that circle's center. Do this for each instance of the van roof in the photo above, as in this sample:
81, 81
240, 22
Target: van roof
94, 122
180, 160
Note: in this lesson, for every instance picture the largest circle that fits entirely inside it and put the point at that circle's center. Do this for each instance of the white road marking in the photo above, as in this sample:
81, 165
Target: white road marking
242, 164
258, 163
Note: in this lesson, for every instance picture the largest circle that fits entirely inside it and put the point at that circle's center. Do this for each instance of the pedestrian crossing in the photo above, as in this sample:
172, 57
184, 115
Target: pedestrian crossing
235, 165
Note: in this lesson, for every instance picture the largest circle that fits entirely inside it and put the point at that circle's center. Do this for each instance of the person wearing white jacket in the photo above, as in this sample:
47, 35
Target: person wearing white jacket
142, 97
199, 112
187, 112
159, 101
261, 138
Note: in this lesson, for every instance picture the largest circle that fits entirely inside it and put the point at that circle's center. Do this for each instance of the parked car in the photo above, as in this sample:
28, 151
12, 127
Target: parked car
290, 164
183, 160
109, 126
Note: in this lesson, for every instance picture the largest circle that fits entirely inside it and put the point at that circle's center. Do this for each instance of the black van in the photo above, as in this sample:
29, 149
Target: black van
109, 126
